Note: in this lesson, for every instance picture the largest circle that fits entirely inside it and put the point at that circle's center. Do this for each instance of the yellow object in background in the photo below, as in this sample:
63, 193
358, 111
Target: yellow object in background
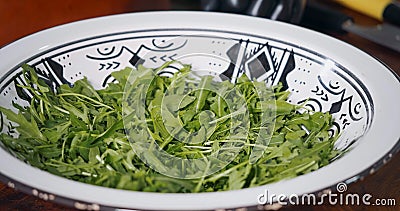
372, 8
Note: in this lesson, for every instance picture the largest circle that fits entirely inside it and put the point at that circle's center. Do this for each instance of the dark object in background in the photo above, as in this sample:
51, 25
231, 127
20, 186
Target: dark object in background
234, 6
392, 13
325, 19
210, 5
282, 10
322, 18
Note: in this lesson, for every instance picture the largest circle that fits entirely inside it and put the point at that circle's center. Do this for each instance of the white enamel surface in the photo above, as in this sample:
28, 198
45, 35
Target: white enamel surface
380, 139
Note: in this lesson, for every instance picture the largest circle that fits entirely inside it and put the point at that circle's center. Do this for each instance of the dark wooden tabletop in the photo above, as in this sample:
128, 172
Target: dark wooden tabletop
24, 17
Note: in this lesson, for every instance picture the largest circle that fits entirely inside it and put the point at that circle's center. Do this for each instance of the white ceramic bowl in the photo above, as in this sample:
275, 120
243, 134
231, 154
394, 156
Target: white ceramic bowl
336, 77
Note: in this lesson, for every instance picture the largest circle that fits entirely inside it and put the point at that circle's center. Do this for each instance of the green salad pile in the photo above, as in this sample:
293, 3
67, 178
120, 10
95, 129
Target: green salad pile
79, 133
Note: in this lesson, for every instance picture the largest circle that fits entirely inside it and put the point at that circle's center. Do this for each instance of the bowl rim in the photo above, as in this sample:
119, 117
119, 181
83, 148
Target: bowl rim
21, 185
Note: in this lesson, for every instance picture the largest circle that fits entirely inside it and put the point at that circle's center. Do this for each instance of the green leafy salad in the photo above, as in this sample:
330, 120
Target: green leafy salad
80, 133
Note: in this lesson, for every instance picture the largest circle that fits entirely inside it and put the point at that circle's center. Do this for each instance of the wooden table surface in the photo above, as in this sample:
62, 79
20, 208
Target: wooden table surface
23, 17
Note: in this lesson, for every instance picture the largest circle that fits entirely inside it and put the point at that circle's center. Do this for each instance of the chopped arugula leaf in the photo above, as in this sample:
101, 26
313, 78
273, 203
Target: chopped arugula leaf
78, 133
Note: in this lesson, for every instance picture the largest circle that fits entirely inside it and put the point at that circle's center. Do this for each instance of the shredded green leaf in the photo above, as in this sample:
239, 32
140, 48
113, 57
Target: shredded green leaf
78, 133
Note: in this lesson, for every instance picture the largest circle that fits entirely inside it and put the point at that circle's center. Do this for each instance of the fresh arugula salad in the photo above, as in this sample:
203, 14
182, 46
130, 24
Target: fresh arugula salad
80, 133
